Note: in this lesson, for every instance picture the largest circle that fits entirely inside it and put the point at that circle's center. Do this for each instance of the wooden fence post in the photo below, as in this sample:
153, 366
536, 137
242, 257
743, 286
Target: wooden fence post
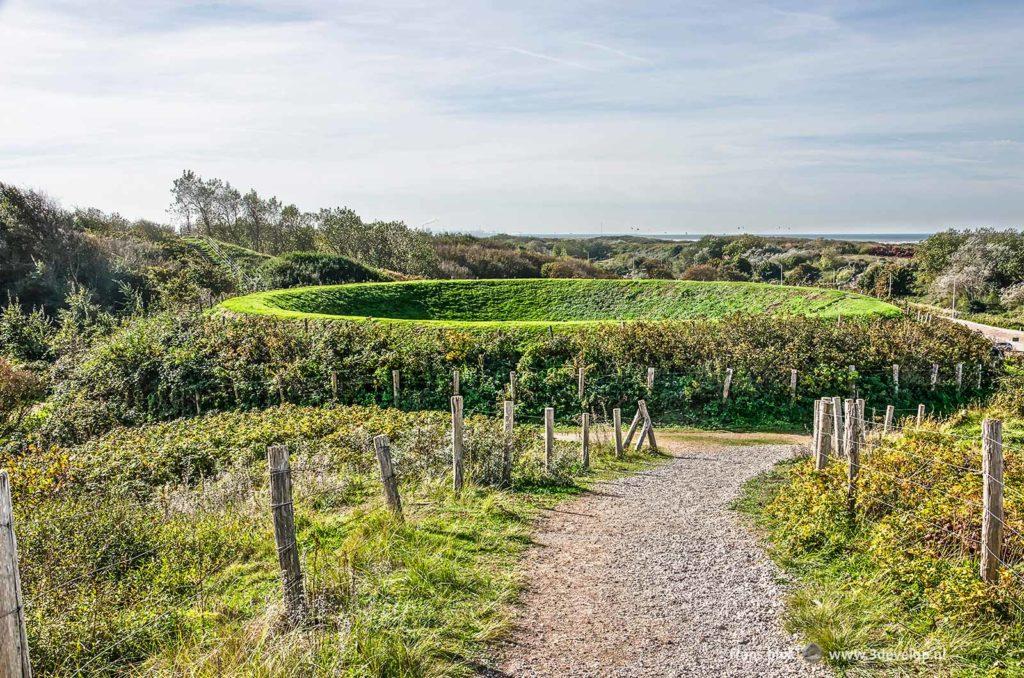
549, 437
506, 458
792, 385
14, 658
824, 433
837, 426
647, 430
396, 383
581, 385
896, 379
890, 411
992, 496
585, 424
633, 426
920, 414
455, 382
727, 384
816, 428
334, 384
617, 425
283, 511
387, 475
959, 376
650, 379
935, 375
457, 443
512, 386
853, 434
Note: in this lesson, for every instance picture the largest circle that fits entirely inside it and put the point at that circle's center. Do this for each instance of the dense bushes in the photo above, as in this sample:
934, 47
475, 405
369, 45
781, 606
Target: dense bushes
296, 269
171, 366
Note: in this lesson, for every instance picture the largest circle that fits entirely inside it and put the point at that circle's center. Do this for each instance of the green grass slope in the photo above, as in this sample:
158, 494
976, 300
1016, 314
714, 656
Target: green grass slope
543, 301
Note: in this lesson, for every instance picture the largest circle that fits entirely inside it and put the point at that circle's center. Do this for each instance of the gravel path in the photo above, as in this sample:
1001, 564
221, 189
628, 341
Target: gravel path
653, 575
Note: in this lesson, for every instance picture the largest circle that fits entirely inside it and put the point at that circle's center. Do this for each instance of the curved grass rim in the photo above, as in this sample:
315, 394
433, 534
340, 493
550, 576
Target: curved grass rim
508, 300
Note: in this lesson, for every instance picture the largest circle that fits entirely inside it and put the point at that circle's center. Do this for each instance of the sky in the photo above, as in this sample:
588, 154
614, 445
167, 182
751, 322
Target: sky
529, 117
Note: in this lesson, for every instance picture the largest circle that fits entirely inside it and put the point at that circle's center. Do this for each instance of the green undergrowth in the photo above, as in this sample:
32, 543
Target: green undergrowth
542, 302
894, 589
150, 550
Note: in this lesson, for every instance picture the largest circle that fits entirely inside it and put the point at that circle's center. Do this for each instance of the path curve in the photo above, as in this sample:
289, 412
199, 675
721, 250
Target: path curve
653, 575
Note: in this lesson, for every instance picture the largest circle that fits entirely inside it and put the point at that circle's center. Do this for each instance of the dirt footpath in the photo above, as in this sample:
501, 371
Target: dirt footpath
653, 575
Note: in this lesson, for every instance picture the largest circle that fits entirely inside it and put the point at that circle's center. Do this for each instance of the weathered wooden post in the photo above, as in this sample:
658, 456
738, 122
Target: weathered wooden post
396, 383
512, 386
650, 379
935, 375
816, 427
387, 475
853, 434
727, 384
14, 658
617, 425
959, 376
455, 382
837, 426
334, 384
283, 511
581, 385
920, 414
896, 379
549, 437
890, 411
457, 443
647, 430
824, 433
792, 385
992, 497
506, 451
633, 426
585, 424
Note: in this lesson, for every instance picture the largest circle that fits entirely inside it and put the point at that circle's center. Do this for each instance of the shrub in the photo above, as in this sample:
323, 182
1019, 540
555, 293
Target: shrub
299, 269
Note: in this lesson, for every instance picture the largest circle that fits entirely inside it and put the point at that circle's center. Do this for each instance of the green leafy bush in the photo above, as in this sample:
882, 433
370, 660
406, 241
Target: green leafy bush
296, 269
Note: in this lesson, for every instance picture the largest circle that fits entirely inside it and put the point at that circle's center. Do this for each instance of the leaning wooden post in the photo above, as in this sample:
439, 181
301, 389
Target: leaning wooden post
387, 475
959, 376
283, 511
935, 375
792, 385
455, 382
396, 382
824, 433
506, 450
549, 437
617, 425
726, 385
585, 432
853, 435
457, 443
992, 498
647, 430
633, 426
14, 659
890, 411
920, 414
896, 379
837, 425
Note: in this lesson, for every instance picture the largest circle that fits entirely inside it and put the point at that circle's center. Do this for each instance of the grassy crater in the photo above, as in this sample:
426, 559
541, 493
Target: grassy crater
550, 301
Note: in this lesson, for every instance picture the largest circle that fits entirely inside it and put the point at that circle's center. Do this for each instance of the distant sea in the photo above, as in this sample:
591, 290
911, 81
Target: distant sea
853, 237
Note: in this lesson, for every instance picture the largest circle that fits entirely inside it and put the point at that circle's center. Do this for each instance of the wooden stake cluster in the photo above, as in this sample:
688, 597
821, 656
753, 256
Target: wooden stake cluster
283, 511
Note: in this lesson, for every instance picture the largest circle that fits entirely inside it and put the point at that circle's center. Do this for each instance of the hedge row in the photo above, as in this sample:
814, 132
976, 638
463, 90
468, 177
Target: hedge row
170, 366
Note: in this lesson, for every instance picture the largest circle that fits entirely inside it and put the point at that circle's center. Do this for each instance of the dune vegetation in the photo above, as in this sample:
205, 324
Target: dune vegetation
550, 301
